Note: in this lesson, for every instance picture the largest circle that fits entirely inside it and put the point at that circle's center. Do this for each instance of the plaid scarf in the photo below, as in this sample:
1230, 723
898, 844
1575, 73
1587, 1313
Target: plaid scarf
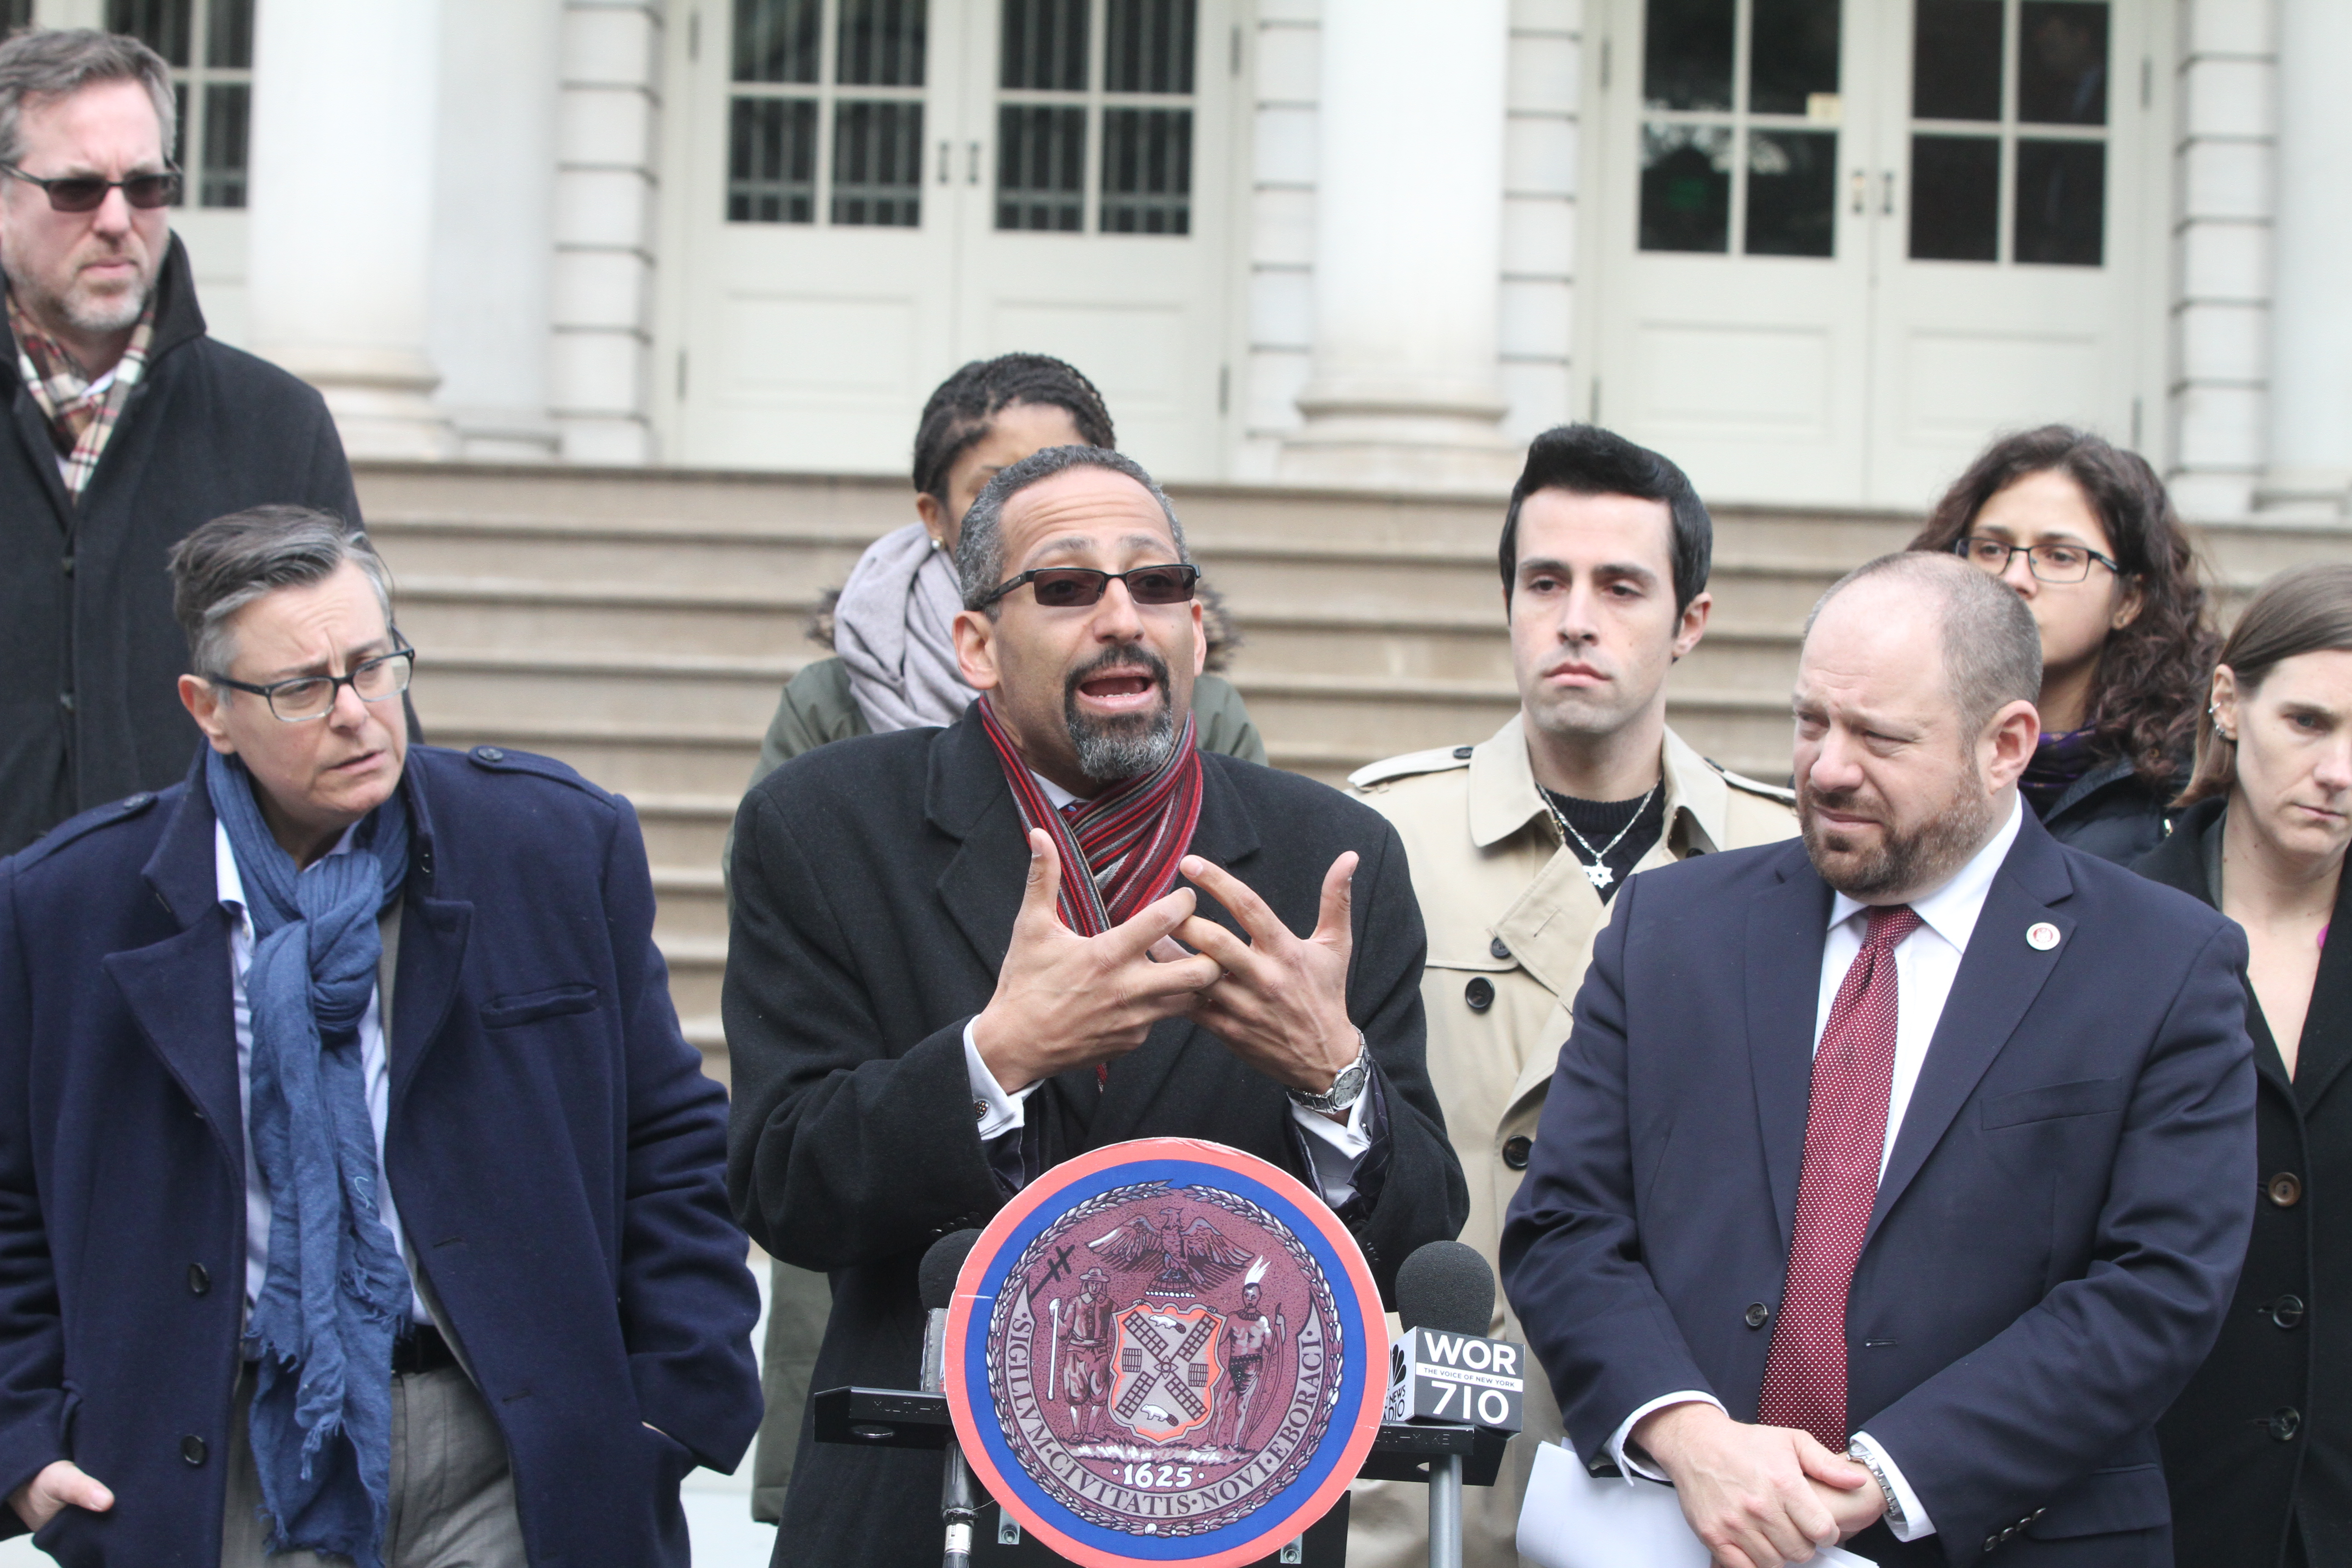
1119, 850
81, 420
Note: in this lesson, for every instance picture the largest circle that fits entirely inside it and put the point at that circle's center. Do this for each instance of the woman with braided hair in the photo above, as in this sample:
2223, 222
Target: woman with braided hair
893, 667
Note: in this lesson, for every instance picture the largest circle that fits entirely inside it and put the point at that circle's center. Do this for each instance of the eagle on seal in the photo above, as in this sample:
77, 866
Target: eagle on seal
1189, 1258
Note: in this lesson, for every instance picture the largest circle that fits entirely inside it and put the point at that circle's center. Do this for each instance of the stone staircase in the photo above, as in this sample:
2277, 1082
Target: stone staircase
638, 625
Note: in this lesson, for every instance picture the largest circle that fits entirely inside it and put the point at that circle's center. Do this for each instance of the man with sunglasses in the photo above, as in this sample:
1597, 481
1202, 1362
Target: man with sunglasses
130, 427
962, 955
362, 1201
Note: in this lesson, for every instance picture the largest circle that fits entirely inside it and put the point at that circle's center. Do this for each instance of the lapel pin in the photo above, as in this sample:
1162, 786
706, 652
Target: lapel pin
2041, 936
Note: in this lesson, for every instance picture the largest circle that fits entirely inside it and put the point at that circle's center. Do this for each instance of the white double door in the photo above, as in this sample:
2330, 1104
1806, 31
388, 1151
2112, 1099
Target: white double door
1843, 246
854, 224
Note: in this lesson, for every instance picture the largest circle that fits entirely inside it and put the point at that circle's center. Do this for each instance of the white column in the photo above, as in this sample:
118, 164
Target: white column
1408, 250
493, 234
343, 151
2311, 308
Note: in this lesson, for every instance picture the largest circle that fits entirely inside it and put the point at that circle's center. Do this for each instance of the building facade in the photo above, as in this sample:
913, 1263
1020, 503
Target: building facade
1818, 250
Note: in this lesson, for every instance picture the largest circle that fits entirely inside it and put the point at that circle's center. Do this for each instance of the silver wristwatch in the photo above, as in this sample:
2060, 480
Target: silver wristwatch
1346, 1089
1869, 1461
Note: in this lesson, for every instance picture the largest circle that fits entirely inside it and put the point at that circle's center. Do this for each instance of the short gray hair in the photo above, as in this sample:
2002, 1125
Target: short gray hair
1993, 650
50, 62
979, 549
231, 561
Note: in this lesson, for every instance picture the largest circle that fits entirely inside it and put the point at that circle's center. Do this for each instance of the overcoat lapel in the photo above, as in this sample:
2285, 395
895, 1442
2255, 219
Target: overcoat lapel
2326, 1049
1787, 929
1999, 978
967, 798
432, 957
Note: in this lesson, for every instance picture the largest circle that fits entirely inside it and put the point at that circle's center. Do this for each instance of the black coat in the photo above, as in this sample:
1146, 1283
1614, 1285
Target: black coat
2111, 812
876, 884
90, 655
2265, 1431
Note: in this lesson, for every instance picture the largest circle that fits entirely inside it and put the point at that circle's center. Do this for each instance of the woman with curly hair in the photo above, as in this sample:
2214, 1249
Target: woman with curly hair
2085, 534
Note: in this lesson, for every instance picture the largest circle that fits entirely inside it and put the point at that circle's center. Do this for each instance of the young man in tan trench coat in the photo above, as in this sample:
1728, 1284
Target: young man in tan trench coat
1517, 844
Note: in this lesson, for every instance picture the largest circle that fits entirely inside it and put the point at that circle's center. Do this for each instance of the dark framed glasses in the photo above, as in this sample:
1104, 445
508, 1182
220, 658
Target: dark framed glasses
309, 697
2051, 562
87, 193
1075, 587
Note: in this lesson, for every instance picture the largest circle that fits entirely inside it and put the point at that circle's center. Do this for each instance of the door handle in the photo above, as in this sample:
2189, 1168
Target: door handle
1887, 193
971, 165
947, 154
1861, 191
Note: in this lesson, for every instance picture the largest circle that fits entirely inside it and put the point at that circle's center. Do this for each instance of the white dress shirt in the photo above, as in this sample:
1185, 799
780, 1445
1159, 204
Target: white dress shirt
372, 1065
1926, 964
1335, 1148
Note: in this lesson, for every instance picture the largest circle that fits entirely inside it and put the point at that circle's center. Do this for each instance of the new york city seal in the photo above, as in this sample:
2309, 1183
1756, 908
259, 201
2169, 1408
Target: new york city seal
1166, 1351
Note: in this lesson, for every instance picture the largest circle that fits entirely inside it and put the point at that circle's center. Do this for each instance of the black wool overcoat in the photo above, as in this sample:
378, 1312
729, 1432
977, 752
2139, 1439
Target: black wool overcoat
90, 655
876, 884
2264, 1432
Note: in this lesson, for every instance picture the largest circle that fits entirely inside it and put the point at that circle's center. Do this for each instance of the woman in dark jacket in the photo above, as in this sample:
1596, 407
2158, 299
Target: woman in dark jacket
2085, 532
2258, 1448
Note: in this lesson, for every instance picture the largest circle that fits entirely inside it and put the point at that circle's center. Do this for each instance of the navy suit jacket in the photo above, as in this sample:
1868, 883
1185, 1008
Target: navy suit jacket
555, 1151
2056, 1235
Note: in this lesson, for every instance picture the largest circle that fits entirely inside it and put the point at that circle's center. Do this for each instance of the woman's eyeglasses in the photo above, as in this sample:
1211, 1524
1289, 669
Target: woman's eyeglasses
2049, 563
1075, 587
87, 193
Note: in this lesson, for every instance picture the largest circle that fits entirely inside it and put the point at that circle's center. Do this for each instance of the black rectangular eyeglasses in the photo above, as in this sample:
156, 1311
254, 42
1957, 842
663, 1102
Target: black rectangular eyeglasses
1075, 587
87, 193
308, 697
2051, 562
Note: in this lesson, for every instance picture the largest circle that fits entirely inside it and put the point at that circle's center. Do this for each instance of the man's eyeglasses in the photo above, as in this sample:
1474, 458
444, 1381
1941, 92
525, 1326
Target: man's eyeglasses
2049, 563
309, 697
1074, 587
87, 193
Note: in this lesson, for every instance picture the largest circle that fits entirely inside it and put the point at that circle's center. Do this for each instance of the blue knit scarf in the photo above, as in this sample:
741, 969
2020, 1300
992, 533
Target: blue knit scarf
336, 1293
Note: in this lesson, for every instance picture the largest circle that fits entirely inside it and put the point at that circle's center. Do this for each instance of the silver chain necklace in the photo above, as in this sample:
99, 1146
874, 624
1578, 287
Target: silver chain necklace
1598, 874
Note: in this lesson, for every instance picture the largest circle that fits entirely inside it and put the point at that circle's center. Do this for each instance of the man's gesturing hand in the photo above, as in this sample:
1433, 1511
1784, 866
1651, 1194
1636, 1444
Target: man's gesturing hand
1757, 1496
1065, 1000
1282, 1005
60, 1484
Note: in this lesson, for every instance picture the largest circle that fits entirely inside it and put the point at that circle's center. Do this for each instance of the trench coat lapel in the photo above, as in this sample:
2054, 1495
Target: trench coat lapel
179, 989
1787, 929
1999, 976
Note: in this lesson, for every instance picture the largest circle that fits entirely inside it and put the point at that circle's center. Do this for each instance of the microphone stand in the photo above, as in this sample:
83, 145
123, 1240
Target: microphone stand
957, 1510
1446, 1511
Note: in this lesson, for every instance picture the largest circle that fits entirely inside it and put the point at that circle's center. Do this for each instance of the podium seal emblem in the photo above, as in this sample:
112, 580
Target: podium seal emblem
1166, 1351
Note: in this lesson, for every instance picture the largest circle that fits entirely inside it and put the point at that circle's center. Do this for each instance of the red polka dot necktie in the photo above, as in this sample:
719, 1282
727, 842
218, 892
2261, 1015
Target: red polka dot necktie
1837, 1186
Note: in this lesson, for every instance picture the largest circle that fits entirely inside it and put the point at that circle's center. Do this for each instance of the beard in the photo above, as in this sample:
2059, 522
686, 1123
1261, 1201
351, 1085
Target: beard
77, 309
1131, 744
1917, 860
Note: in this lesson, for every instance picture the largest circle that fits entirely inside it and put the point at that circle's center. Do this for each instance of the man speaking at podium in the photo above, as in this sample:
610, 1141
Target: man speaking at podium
1903, 1215
961, 956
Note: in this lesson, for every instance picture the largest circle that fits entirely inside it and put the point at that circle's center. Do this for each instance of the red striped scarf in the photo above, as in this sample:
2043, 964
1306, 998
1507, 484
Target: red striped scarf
1119, 850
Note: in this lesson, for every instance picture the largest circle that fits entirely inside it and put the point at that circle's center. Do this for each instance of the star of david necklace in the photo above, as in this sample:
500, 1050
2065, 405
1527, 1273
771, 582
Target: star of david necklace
1597, 873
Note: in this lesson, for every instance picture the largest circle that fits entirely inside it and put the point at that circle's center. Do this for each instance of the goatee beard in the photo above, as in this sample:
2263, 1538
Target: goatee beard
1128, 746
1916, 861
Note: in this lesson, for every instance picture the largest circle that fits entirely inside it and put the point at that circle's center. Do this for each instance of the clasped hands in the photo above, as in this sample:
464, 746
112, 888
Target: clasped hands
1276, 999
1757, 1496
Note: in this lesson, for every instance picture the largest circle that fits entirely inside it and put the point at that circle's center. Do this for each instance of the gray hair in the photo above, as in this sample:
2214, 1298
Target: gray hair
979, 549
230, 562
50, 62
1993, 650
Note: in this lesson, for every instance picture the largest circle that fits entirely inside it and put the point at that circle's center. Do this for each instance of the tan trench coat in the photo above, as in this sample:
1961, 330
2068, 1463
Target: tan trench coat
1511, 921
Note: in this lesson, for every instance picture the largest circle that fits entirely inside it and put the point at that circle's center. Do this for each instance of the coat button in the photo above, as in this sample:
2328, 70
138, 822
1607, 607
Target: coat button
1514, 1151
1461, 754
1498, 951
199, 1279
1756, 1315
2285, 1190
2286, 1311
1479, 993
2285, 1423
488, 755
193, 1450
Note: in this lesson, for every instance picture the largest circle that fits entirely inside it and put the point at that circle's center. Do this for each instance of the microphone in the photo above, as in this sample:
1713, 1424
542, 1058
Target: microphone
1445, 1368
935, 1282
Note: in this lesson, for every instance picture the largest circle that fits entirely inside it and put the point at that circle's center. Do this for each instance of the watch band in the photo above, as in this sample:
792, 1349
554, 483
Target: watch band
1869, 1461
1346, 1089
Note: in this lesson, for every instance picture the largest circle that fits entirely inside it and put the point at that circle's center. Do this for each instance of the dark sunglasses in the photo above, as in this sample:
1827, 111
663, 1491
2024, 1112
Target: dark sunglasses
87, 193
1074, 587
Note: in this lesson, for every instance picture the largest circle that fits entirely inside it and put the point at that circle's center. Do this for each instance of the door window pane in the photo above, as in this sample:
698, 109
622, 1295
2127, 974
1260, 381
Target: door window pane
1044, 46
15, 14
2062, 191
165, 26
1956, 60
1150, 46
877, 164
1791, 193
772, 160
229, 37
228, 107
1792, 55
1685, 187
1146, 178
776, 40
1041, 160
1955, 198
1687, 48
213, 96
881, 43
2061, 63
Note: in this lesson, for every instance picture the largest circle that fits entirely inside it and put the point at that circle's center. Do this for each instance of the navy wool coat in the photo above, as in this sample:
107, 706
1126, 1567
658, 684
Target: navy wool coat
555, 1151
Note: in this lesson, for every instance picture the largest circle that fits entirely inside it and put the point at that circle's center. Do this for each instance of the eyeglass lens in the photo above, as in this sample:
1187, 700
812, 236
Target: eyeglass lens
377, 681
2051, 562
1073, 587
82, 193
